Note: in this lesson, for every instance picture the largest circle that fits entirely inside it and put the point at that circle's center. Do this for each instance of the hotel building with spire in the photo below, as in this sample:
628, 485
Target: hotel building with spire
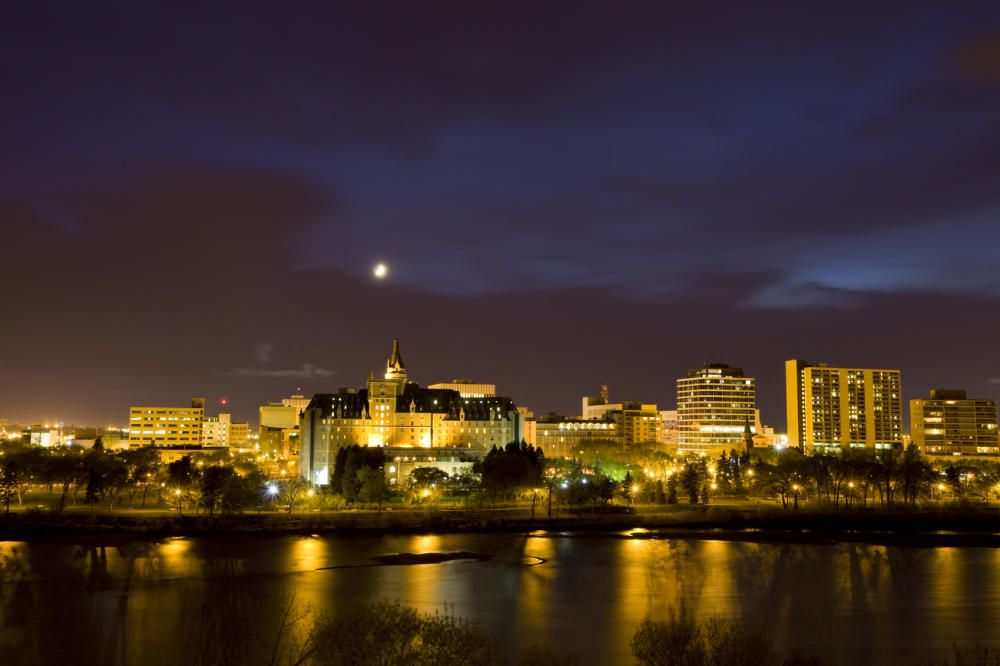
396, 413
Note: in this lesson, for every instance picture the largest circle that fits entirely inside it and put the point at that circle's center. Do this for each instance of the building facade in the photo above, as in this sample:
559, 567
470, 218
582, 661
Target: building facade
468, 388
838, 408
394, 412
714, 405
563, 437
668, 431
950, 424
637, 422
167, 426
279, 426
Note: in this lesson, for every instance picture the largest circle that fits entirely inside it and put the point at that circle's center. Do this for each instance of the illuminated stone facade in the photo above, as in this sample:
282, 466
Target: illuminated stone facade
394, 412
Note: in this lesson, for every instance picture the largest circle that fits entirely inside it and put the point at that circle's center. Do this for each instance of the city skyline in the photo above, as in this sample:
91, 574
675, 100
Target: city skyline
560, 198
223, 405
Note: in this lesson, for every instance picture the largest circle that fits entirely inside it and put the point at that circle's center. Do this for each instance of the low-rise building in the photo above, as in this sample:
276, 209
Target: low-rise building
400, 463
468, 388
167, 426
561, 437
637, 422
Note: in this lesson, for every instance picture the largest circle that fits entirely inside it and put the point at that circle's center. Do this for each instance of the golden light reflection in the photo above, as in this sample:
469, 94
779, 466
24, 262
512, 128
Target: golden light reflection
176, 559
308, 553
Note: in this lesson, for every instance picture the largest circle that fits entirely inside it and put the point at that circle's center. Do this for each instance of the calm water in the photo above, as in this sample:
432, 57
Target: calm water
150, 603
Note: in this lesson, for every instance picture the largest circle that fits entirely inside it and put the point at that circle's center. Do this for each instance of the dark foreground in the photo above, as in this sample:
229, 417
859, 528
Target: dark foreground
102, 599
937, 527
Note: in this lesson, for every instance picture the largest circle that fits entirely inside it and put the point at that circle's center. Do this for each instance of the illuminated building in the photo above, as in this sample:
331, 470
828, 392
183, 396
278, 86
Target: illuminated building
279, 426
239, 435
835, 408
468, 388
215, 430
400, 463
562, 437
668, 434
394, 412
950, 424
637, 422
714, 405
222, 431
167, 426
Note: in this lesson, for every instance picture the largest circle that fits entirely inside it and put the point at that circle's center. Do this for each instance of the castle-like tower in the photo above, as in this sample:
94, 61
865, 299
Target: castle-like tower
394, 367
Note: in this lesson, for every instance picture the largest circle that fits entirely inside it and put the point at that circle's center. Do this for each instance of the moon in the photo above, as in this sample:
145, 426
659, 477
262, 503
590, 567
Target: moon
380, 271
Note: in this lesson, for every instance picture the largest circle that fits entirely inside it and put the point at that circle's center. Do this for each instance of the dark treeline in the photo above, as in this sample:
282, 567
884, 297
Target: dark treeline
133, 477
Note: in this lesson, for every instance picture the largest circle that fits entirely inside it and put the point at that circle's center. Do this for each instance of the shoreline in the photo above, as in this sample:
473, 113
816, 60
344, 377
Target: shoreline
921, 527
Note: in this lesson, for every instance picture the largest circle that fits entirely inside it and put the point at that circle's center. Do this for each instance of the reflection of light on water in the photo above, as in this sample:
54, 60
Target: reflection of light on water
175, 556
12, 562
533, 596
308, 553
427, 543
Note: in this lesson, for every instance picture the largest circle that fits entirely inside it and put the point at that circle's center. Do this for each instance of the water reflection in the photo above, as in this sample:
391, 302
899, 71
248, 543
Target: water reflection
183, 600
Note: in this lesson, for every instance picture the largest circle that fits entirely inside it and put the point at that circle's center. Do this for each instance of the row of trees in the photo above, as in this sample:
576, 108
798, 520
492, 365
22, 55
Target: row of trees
136, 478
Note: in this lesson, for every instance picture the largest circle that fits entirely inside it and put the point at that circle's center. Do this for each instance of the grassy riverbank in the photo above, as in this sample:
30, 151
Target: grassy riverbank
745, 522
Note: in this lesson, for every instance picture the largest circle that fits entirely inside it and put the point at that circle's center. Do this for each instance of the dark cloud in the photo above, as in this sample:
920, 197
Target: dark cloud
190, 188
978, 57
306, 371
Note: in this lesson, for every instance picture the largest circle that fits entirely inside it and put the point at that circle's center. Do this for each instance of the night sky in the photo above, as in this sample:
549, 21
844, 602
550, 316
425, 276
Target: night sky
193, 196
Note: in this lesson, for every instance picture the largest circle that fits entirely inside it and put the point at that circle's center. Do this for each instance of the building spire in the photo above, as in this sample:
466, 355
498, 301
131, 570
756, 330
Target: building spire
394, 367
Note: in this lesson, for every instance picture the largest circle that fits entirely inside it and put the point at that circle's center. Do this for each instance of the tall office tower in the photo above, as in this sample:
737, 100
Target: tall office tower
950, 424
837, 408
714, 405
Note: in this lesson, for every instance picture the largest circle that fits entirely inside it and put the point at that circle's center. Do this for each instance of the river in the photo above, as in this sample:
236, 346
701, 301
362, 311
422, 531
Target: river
151, 602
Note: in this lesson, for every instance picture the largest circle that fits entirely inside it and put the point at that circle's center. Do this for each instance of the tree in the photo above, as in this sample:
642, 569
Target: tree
181, 474
516, 466
427, 477
672, 489
293, 489
356, 459
8, 484
241, 492
213, 484
337, 479
693, 476
372, 486
92, 495
141, 466
627, 488
389, 633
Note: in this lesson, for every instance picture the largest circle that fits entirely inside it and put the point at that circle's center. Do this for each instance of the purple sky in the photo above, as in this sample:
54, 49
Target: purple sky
192, 197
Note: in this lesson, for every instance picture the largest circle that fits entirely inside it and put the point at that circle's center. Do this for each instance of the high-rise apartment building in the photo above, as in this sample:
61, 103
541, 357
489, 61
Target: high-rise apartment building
950, 424
832, 408
167, 426
714, 405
